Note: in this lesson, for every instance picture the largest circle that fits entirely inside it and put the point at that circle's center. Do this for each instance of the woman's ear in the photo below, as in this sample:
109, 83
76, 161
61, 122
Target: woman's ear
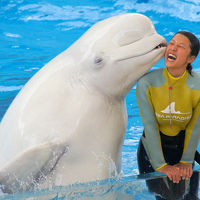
191, 59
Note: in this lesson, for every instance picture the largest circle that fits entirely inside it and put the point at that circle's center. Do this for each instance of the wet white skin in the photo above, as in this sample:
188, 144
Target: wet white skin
68, 123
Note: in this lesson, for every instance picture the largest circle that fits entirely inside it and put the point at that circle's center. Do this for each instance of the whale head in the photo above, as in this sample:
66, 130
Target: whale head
116, 52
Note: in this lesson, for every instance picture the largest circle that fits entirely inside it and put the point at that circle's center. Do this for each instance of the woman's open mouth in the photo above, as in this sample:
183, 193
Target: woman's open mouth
171, 57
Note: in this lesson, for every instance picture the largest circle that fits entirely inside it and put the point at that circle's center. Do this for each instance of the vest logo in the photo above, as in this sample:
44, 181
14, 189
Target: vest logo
175, 115
171, 107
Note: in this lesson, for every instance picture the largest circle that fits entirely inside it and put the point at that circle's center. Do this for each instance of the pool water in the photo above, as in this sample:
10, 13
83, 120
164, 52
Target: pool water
34, 32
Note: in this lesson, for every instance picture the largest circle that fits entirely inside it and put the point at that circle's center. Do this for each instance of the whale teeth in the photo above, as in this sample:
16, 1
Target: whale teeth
160, 45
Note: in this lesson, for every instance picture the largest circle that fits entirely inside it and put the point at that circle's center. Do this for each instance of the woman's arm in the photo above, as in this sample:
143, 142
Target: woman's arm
192, 135
152, 133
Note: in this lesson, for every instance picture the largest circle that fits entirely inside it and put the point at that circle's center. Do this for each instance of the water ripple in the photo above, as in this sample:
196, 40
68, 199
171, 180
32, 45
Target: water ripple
10, 88
185, 10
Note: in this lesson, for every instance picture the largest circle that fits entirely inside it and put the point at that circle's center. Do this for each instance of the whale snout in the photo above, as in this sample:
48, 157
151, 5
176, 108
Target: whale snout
154, 43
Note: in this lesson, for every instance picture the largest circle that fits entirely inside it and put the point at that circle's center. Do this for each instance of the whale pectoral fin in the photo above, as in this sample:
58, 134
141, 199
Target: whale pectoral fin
33, 165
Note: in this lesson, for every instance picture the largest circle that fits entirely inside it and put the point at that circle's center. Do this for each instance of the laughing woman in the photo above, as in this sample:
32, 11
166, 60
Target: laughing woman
169, 103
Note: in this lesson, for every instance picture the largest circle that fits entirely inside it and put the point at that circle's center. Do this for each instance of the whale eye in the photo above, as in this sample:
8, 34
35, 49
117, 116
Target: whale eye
98, 60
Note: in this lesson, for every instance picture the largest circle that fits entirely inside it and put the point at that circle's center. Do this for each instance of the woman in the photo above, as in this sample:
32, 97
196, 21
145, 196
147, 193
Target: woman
169, 103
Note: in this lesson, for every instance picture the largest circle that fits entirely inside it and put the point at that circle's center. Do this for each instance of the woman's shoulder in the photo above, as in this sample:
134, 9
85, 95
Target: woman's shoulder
194, 81
151, 77
195, 75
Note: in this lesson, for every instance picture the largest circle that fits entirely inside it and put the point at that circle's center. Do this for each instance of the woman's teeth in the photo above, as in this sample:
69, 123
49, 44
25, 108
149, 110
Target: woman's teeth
171, 57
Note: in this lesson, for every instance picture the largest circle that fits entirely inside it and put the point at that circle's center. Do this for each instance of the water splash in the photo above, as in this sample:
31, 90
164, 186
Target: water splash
126, 188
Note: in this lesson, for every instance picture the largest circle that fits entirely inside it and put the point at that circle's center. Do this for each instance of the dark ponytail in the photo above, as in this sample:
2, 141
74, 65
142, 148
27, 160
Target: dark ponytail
194, 46
189, 68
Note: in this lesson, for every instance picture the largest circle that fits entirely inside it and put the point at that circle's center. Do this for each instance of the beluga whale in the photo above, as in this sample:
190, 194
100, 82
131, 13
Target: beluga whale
67, 124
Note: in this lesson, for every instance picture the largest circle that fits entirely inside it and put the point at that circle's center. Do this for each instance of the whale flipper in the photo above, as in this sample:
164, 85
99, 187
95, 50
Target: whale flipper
29, 168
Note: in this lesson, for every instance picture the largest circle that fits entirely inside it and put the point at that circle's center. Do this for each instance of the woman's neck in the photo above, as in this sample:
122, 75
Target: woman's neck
176, 72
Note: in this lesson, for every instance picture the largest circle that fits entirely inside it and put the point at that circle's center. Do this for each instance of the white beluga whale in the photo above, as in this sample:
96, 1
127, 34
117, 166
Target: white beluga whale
67, 124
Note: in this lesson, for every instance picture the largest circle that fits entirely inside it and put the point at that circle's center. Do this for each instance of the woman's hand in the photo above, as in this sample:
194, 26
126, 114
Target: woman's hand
185, 170
172, 171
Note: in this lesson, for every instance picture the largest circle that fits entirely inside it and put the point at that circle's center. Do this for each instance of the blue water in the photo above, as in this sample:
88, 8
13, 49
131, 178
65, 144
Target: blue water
34, 32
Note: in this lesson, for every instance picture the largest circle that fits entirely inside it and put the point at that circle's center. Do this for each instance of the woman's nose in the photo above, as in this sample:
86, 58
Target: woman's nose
174, 47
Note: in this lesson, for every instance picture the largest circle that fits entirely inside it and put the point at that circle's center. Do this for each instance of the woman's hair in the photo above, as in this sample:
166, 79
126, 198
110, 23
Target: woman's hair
194, 46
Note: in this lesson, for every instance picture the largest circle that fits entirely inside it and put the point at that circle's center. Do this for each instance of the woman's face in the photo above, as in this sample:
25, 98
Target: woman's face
177, 54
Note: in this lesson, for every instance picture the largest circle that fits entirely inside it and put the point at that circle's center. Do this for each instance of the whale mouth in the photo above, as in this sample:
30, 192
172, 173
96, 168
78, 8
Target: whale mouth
161, 45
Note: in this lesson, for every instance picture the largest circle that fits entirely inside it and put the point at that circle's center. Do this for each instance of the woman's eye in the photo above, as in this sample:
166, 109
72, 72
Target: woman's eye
181, 46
